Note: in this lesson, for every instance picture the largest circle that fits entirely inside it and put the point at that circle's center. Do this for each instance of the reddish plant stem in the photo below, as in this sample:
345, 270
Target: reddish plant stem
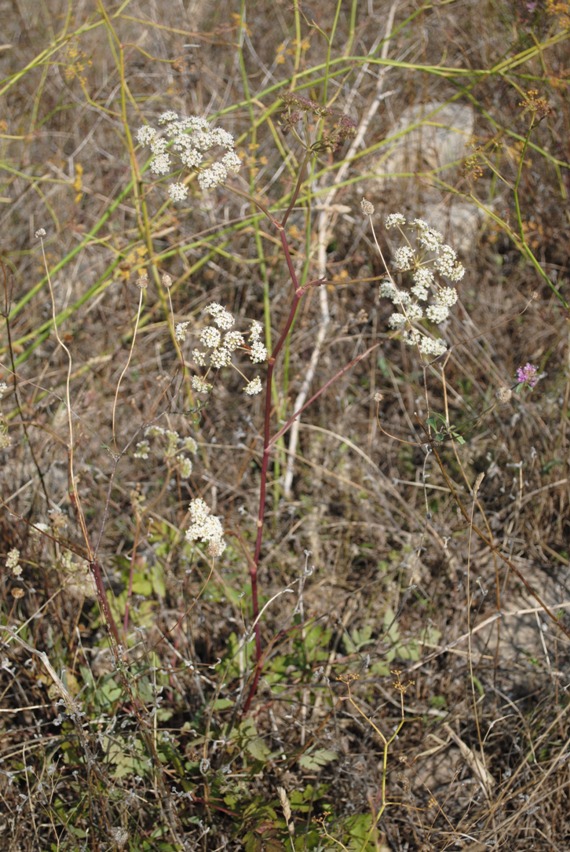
267, 445
295, 195
268, 441
104, 603
95, 568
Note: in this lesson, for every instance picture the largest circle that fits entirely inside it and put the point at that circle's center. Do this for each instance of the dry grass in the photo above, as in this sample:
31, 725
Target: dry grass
414, 692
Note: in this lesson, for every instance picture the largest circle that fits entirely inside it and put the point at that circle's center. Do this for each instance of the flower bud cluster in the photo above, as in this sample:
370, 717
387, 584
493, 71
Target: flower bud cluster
433, 267
167, 445
205, 527
219, 341
182, 143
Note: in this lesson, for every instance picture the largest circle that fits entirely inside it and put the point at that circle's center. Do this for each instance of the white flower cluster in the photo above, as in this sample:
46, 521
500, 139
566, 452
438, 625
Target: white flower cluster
183, 142
427, 259
169, 446
205, 527
5, 440
13, 562
219, 341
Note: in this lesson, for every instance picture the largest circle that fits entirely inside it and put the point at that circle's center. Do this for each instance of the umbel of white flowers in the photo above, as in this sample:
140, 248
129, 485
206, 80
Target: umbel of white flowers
432, 266
180, 142
219, 341
205, 527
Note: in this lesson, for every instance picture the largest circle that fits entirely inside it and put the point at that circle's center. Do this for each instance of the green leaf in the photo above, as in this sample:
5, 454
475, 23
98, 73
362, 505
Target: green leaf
157, 579
257, 749
315, 760
109, 691
251, 742
142, 585
222, 704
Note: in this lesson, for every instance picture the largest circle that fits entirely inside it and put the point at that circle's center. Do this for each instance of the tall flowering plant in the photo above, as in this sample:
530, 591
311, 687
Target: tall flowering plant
186, 147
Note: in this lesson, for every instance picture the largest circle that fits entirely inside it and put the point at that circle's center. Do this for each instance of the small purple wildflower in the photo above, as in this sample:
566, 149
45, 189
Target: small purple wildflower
527, 375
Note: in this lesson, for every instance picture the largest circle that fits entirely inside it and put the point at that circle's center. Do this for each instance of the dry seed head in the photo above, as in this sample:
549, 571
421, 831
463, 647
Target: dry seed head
504, 395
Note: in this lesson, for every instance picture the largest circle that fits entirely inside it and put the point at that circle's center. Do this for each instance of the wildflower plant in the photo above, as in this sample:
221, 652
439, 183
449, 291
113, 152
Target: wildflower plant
141, 569
429, 268
182, 143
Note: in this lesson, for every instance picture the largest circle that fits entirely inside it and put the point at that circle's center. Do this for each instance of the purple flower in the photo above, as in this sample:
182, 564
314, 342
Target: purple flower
527, 375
